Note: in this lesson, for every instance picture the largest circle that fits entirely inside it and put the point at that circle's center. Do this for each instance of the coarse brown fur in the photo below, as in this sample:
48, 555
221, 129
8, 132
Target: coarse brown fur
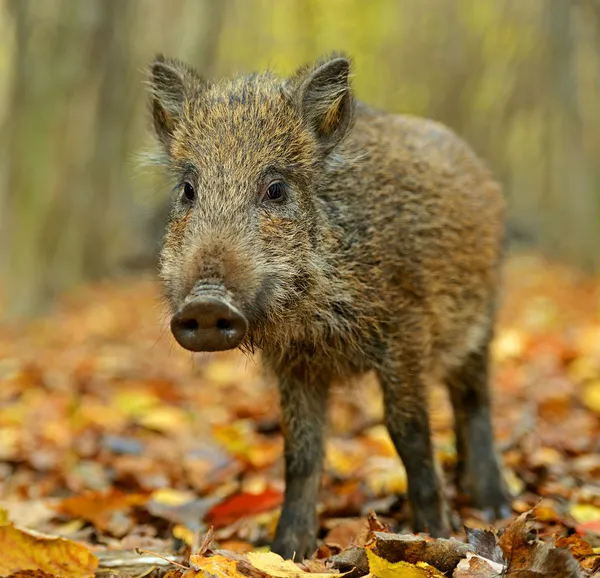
383, 256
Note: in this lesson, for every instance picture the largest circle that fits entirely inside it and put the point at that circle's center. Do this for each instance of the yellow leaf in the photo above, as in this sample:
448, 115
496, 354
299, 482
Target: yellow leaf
381, 568
23, 550
69, 527
9, 443
216, 565
380, 441
164, 419
135, 402
236, 437
509, 344
385, 476
275, 566
591, 396
184, 534
340, 460
583, 369
584, 513
222, 372
172, 497
239, 439
515, 484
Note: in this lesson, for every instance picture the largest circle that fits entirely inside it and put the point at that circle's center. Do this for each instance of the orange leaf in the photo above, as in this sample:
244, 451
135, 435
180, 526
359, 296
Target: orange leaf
577, 545
592, 527
216, 565
98, 507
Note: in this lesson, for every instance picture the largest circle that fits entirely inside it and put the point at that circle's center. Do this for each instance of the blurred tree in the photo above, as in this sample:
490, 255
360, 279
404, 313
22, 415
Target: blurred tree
519, 80
68, 211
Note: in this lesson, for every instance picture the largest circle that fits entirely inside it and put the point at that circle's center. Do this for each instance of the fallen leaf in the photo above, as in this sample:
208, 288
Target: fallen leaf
532, 557
346, 531
485, 543
172, 497
443, 554
241, 440
243, 504
592, 527
584, 513
25, 550
381, 568
577, 546
274, 565
165, 419
216, 565
591, 396
188, 514
353, 559
100, 508
28, 514
31, 574
509, 344
474, 566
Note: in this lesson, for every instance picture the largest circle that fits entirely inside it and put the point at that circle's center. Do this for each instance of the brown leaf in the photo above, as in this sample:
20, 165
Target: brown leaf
347, 532
531, 558
443, 554
375, 525
352, 560
474, 566
485, 543
514, 545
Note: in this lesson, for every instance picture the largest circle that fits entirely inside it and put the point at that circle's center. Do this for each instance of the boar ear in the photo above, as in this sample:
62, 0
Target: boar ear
171, 83
325, 99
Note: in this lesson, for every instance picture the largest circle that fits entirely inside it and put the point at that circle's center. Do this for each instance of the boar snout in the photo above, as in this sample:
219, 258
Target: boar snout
208, 323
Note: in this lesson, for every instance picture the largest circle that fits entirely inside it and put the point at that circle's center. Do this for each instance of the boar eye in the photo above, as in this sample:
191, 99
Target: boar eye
188, 191
275, 192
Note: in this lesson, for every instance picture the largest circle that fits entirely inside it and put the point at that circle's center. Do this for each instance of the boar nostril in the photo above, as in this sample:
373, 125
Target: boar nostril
208, 323
223, 324
189, 324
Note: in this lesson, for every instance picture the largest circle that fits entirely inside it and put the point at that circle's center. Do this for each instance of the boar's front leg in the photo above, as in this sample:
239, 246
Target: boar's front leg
407, 420
304, 408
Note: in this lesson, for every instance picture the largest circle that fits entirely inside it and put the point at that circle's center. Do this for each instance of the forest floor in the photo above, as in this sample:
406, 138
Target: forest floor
130, 448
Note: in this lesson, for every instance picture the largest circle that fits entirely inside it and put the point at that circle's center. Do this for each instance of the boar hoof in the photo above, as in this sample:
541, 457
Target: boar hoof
295, 541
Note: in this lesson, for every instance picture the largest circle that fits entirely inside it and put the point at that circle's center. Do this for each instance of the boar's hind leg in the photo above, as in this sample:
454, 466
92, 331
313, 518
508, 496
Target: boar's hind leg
478, 470
304, 408
406, 416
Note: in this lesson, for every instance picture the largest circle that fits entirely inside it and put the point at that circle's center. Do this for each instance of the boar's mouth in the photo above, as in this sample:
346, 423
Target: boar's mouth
208, 321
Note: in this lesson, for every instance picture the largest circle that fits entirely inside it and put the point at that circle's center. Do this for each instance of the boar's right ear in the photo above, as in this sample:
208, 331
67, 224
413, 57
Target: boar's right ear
323, 94
171, 83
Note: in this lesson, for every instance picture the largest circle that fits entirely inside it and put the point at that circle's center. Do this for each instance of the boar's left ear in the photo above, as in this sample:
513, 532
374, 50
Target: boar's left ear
323, 94
171, 83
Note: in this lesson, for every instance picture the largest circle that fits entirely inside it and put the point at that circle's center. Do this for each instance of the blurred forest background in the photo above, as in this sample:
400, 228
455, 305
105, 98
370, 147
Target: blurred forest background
520, 80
